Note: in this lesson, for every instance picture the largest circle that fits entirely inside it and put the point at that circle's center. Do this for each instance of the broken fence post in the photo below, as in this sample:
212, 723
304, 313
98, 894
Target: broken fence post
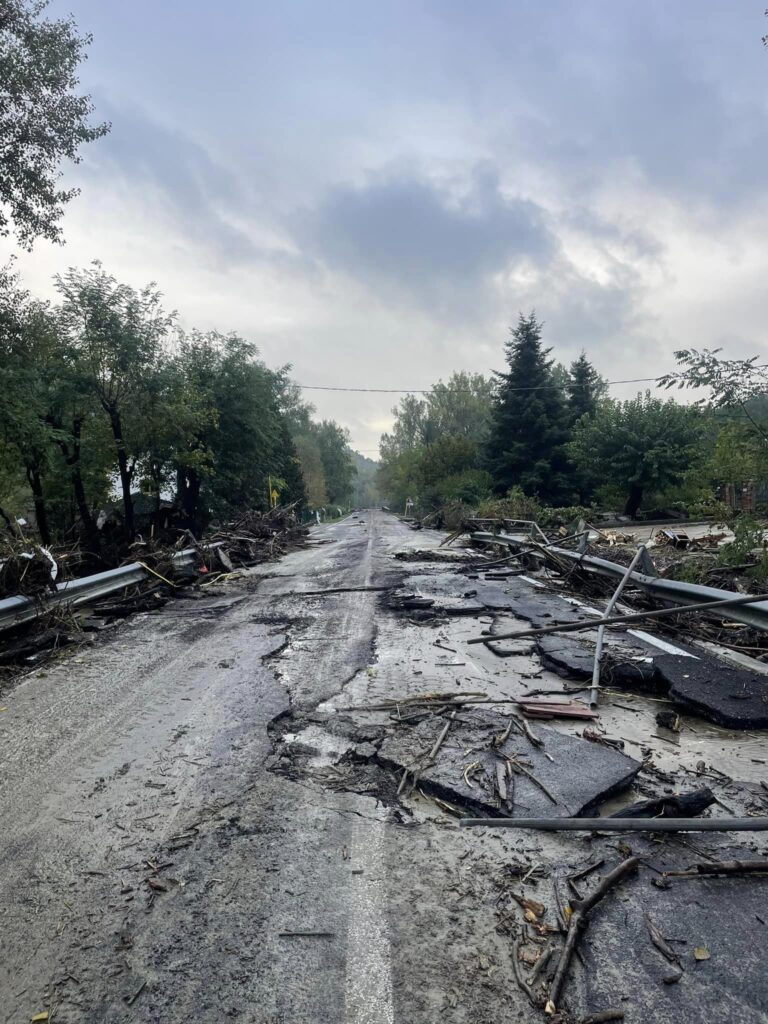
594, 691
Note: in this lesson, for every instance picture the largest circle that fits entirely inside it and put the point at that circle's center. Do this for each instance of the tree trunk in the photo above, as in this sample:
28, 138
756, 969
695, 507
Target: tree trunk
10, 523
126, 474
634, 500
72, 459
41, 514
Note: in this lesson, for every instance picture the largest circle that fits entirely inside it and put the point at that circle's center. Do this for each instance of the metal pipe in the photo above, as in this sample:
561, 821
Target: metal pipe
617, 620
622, 824
595, 689
663, 589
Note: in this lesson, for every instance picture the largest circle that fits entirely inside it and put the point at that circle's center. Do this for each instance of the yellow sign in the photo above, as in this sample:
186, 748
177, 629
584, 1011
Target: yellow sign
275, 495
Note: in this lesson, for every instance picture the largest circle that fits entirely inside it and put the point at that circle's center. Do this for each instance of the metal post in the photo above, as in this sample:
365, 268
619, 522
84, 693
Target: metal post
594, 691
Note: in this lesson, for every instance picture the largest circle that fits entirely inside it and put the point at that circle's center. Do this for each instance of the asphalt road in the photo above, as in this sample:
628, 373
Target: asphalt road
181, 841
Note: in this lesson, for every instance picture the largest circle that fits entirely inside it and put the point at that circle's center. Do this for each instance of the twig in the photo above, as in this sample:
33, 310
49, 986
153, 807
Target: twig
523, 984
659, 941
570, 879
578, 920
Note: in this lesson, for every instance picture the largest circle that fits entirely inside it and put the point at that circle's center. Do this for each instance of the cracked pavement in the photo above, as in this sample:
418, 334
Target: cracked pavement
195, 827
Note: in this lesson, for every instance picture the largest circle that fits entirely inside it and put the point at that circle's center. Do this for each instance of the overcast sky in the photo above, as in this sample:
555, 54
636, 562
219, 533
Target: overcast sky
372, 191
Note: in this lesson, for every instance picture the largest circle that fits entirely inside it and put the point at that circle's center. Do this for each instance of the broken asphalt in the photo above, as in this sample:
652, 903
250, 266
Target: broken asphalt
199, 823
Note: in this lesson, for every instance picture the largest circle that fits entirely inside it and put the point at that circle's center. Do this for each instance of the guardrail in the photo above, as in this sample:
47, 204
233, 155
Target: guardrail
676, 591
16, 610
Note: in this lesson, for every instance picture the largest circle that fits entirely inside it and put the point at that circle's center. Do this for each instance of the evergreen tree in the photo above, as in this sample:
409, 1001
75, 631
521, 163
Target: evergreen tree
528, 426
585, 386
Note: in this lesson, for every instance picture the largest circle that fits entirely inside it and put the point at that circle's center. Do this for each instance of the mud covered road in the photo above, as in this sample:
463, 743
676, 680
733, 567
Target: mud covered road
196, 827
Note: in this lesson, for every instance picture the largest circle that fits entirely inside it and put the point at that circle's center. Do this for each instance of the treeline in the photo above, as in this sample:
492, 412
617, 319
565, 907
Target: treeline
544, 431
105, 397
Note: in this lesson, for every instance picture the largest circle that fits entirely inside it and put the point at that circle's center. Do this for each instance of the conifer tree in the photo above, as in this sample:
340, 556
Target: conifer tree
585, 387
529, 423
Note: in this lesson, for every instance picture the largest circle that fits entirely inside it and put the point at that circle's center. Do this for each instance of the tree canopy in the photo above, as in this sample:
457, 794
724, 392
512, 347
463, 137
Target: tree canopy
43, 119
641, 444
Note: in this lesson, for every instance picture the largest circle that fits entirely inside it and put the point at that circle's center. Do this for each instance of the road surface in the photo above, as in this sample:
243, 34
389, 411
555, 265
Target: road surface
187, 836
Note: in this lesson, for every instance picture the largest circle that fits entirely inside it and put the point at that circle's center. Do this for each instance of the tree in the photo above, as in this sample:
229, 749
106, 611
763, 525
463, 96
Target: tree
528, 425
338, 467
116, 335
585, 388
312, 469
641, 444
43, 120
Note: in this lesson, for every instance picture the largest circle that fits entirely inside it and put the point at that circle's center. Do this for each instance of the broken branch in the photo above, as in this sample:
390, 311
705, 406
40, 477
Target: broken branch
578, 920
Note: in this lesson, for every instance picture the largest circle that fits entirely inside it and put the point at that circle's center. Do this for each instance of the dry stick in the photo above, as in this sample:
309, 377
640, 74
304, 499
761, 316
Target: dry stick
431, 755
578, 920
623, 824
659, 941
603, 1016
593, 693
519, 976
616, 620
540, 964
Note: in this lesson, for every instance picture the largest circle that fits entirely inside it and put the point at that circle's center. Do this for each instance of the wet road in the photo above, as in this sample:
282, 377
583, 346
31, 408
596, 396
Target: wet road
186, 835
143, 840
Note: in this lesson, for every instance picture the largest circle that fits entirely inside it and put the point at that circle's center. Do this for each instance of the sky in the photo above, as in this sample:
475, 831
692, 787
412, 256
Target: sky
373, 191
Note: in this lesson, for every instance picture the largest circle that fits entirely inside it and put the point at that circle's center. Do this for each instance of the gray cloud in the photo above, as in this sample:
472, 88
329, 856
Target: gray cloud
406, 233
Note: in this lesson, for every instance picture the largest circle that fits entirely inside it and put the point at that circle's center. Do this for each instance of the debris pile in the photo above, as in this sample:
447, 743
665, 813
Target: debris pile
26, 569
259, 536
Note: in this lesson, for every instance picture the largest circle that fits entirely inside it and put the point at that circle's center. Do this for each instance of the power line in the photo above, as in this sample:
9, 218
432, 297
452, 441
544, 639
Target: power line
466, 391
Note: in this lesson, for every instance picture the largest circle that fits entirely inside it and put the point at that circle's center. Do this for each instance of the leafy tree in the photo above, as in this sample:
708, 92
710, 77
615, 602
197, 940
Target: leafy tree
116, 335
641, 444
338, 467
526, 446
461, 407
312, 469
43, 120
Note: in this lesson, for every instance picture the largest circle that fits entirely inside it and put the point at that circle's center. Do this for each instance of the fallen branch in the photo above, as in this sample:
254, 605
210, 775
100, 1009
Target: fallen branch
522, 983
618, 620
578, 920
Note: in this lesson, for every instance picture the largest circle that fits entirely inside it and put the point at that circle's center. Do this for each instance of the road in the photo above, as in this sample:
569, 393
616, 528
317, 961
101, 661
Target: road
188, 835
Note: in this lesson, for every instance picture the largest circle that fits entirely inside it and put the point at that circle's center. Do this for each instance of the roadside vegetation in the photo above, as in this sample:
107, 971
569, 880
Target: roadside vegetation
547, 442
112, 414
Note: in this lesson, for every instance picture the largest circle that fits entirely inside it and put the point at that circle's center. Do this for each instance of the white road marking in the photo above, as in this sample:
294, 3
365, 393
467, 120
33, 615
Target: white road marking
368, 996
661, 644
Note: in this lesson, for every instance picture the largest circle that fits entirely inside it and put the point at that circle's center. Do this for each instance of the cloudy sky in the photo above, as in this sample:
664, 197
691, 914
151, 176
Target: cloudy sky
372, 191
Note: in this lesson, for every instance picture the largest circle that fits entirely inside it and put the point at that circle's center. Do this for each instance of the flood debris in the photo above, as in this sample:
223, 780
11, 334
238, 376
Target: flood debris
577, 921
563, 773
682, 805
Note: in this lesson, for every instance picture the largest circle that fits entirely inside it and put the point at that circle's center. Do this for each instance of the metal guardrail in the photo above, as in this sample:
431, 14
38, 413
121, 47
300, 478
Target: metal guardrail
16, 610
676, 591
